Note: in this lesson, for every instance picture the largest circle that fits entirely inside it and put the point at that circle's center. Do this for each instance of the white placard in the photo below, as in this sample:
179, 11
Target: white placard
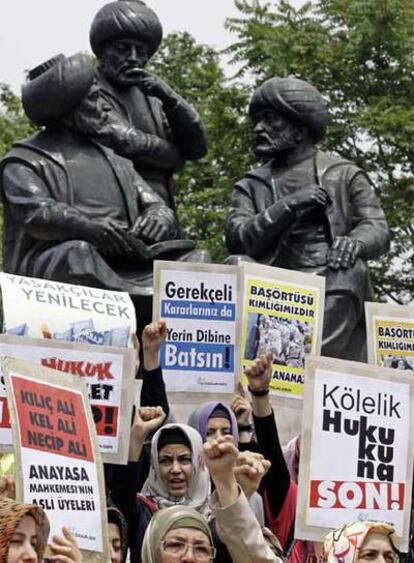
200, 305
57, 463
356, 448
282, 314
39, 308
108, 372
390, 334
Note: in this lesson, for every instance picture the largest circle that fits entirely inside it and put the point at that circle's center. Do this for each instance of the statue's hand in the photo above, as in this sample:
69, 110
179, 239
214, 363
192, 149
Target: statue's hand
311, 196
344, 252
153, 227
154, 86
114, 131
109, 237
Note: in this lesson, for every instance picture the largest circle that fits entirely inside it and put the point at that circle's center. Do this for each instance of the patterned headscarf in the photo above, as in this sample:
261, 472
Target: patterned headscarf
342, 545
199, 419
199, 487
11, 513
163, 522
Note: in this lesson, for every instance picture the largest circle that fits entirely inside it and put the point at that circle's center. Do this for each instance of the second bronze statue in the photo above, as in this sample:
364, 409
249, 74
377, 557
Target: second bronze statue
150, 123
309, 211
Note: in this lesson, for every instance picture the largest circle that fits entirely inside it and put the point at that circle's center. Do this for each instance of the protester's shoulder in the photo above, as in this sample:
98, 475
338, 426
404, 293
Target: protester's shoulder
146, 506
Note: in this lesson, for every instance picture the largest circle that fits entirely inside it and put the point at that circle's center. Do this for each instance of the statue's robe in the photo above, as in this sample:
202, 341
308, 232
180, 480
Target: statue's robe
180, 125
51, 184
301, 241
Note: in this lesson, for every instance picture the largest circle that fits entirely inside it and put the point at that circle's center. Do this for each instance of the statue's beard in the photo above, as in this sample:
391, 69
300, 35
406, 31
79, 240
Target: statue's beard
86, 126
268, 147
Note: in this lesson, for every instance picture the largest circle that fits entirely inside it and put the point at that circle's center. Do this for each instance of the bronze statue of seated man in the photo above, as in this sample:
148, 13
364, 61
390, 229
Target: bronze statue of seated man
308, 210
74, 211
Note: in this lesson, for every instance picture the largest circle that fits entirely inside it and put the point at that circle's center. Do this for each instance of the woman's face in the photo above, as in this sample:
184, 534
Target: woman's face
217, 427
186, 546
377, 548
175, 468
115, 543
24, 542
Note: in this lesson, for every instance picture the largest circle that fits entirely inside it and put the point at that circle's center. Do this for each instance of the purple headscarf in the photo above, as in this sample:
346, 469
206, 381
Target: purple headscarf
199, 419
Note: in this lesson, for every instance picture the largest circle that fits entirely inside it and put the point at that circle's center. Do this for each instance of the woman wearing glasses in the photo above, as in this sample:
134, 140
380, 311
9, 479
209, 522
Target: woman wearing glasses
177, 534
181, 534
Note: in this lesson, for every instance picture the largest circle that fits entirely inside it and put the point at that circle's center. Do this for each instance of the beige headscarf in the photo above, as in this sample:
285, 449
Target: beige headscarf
166, 520
341, 546
11, 513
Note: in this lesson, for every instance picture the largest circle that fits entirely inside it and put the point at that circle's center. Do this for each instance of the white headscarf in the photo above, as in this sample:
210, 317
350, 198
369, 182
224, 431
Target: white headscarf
199, 486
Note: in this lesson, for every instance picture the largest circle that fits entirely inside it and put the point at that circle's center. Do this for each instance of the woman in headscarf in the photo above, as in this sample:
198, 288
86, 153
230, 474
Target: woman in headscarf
361, 541
235, 522
175, 530
178, 474
177, 477
24, 530
214, 419
279, 490
118, 535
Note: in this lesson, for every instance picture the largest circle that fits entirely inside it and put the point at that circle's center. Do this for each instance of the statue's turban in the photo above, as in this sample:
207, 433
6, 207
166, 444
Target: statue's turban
296, 100
55, 88
125, 19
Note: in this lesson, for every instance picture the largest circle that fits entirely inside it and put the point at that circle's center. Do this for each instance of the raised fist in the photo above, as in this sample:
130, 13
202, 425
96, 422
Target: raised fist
153, 337
250, 469
242, 409
220, 456
148, 420
259, 373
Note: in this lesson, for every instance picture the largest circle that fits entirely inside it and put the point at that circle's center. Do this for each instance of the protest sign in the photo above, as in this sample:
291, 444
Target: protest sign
199, 303
282, 314
108, 372
356, 448
57, 464
46, 309
390, 335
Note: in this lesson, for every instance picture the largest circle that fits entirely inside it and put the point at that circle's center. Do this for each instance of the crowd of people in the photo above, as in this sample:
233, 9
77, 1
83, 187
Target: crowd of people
397, 362
219, 488
287, 340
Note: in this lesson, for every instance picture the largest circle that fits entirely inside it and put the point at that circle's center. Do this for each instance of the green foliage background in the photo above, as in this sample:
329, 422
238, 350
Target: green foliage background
359, 53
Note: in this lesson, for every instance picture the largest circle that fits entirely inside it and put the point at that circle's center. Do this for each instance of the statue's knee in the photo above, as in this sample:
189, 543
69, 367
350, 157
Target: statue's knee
204, 257
80, 250
198, 256
237, 259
